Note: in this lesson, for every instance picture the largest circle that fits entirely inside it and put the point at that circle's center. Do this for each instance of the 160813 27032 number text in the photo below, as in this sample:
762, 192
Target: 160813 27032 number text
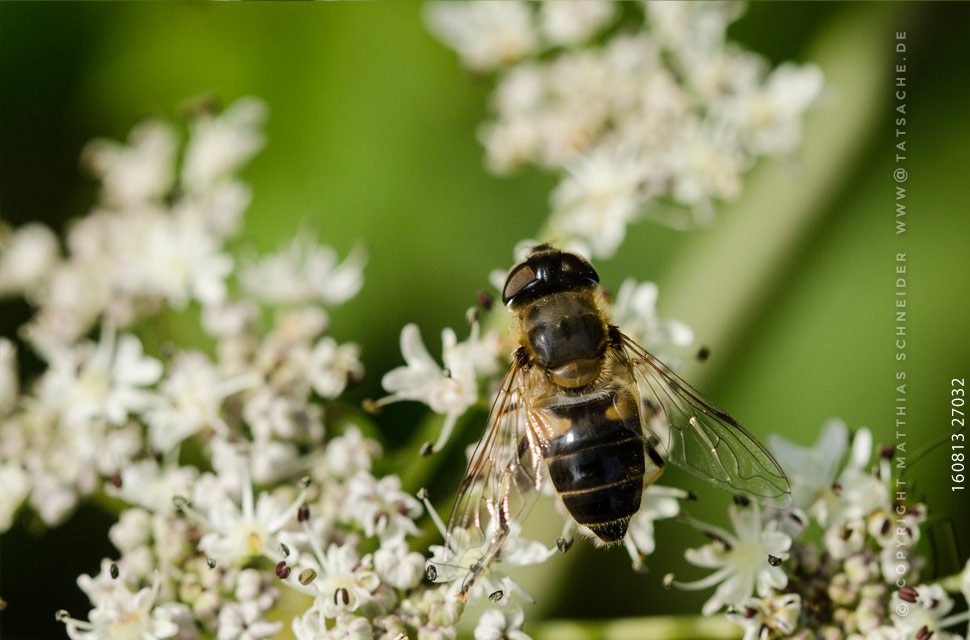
957, 440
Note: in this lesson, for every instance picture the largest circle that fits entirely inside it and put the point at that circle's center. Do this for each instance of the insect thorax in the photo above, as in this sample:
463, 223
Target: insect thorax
566, 335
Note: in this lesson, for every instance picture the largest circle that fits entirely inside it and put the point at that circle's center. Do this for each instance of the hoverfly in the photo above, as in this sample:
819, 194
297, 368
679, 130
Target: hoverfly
585, 407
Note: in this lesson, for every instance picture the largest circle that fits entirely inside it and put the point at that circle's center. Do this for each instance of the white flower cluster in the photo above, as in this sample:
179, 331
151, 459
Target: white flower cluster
854, 583
156, 240
451, 390
278, 484
647, 114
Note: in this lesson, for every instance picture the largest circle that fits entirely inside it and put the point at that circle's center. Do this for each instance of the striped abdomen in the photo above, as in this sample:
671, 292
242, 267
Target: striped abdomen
597, 461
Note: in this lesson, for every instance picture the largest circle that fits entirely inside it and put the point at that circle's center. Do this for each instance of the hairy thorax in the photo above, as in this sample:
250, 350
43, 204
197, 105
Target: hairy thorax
565, 334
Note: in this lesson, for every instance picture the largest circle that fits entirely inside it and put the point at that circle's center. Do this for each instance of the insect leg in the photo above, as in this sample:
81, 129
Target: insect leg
502, 532
483, 562
565, 541
656, 466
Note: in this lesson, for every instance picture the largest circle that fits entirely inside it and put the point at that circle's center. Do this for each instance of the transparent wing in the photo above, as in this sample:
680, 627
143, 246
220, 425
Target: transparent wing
502, 477
697, 435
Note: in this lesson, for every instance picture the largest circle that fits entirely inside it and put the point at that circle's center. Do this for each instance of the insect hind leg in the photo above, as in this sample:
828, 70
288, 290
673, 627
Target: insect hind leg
503, 529
479, 567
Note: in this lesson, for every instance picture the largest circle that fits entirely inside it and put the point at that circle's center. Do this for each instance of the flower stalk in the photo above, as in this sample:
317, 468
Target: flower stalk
667, 627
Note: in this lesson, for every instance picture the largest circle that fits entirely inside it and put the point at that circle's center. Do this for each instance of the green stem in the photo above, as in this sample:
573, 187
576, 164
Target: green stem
952, 584
112, 506
415, 470
666, 627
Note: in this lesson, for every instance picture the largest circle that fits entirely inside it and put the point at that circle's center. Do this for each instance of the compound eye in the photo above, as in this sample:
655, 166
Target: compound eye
577, 266
517, 281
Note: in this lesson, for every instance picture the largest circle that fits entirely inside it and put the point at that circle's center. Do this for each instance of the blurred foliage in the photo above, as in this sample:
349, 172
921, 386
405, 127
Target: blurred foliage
372, 142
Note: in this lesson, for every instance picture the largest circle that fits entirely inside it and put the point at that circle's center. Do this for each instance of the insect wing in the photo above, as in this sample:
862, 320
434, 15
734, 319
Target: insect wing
501, 479
702, 438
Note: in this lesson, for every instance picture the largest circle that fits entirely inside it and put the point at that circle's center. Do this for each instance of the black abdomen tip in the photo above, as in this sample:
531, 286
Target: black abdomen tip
612, 531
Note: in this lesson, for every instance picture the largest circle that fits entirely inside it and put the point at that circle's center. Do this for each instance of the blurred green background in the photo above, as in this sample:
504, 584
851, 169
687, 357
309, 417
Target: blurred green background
372, 140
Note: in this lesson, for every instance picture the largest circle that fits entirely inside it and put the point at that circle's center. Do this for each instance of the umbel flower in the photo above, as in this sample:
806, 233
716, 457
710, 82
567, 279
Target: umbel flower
746, 561
198, 543
852, 579
238, 532
120, 614
104, 382
451, 390
656, 108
